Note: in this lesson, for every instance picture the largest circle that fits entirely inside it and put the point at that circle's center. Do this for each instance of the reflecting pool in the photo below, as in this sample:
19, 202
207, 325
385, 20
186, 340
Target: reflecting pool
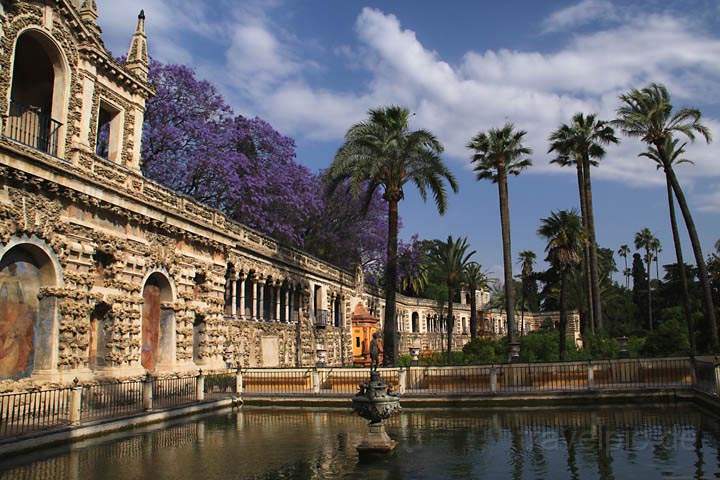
678, 441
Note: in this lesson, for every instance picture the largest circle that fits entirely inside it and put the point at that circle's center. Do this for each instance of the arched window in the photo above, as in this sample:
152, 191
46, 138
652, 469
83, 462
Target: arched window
28, 325
158, 323
415, 322
37, 97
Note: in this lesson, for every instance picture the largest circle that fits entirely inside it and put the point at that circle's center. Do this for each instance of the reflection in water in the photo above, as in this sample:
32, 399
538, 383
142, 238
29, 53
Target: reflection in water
676, 442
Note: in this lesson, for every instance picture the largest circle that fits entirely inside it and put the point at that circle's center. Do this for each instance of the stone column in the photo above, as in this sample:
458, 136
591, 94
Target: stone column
260, 287
287, 304
241, 297
276, 298
254, 300
233, 297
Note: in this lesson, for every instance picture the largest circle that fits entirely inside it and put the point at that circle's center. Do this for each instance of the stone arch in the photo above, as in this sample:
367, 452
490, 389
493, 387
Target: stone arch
28, 319
158, 321
39, 92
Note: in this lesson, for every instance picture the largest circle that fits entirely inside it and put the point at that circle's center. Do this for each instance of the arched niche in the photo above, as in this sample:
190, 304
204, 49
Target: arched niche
28, 323
100, 324
38, 94
158, 322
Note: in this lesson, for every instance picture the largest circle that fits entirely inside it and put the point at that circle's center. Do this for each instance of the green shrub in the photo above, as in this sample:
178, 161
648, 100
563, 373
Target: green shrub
668, 339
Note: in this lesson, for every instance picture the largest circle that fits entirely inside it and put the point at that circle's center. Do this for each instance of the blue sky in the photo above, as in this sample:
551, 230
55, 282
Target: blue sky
312, 68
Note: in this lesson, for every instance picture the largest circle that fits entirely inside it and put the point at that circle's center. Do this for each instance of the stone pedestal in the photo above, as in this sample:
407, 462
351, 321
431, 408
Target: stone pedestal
376, 440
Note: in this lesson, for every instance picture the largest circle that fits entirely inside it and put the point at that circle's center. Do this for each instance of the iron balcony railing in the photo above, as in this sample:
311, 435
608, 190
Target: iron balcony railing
31, 126
321, 318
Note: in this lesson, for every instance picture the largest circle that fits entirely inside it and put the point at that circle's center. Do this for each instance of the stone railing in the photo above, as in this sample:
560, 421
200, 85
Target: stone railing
33, 411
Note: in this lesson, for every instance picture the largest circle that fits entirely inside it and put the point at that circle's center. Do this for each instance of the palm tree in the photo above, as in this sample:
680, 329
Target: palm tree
624, 251
582, 144
383, 153
565, 235
648, 114
527, 261
673, 154
474, 279
448, 260
644, 239
499, 153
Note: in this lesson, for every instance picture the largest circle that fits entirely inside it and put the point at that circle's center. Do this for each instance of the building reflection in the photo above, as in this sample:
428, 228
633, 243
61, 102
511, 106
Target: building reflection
261, 443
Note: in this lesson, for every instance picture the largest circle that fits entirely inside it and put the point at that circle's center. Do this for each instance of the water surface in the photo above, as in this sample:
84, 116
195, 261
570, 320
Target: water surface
674, 442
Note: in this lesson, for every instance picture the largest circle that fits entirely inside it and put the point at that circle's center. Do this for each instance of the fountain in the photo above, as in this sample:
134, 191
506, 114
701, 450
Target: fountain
375, 403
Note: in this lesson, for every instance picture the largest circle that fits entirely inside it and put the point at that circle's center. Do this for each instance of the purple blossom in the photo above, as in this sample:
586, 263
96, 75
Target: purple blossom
194, 144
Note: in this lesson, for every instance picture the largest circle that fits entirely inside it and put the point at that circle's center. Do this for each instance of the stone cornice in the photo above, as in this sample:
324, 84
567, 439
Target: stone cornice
133, 187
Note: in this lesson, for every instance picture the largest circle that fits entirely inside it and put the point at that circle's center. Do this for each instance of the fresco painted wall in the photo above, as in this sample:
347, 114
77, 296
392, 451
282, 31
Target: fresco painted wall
150, 326
19, 288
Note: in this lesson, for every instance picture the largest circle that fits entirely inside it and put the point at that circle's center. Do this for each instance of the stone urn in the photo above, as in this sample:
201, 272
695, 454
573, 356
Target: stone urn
375, 403
415, 354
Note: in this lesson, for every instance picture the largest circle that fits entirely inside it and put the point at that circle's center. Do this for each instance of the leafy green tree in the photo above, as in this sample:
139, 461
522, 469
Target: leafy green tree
565, 235
670, 338
449, 260
529, 284
672, 154
644, 239
582, 143
497, 154
648, 114
474, 279
382, 153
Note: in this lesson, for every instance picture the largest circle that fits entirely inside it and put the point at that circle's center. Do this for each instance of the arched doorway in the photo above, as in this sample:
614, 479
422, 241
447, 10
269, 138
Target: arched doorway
38, 94
158, 323
28, 327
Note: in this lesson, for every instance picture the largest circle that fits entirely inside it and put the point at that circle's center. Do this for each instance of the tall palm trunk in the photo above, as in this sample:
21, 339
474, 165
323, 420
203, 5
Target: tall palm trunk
450, 322
627, 275
681, 266
594, 269
648, 261
522, 311
390, 328
507, 253
708, 308
473, 315
589, 317
563, 313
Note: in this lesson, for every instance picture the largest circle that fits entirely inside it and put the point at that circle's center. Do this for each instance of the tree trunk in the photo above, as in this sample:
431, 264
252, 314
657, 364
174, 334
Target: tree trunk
473, 315
390, 326
708, 308
563, 314
589, 318
648, 261
627, 274
680, 266
507, 252
594, 268
450, 323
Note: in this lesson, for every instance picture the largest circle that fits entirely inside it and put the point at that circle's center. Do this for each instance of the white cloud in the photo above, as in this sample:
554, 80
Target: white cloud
580, 14
266, 73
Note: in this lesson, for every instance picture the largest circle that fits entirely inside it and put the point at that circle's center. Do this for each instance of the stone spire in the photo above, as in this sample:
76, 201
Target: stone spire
89, 15
137, 58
